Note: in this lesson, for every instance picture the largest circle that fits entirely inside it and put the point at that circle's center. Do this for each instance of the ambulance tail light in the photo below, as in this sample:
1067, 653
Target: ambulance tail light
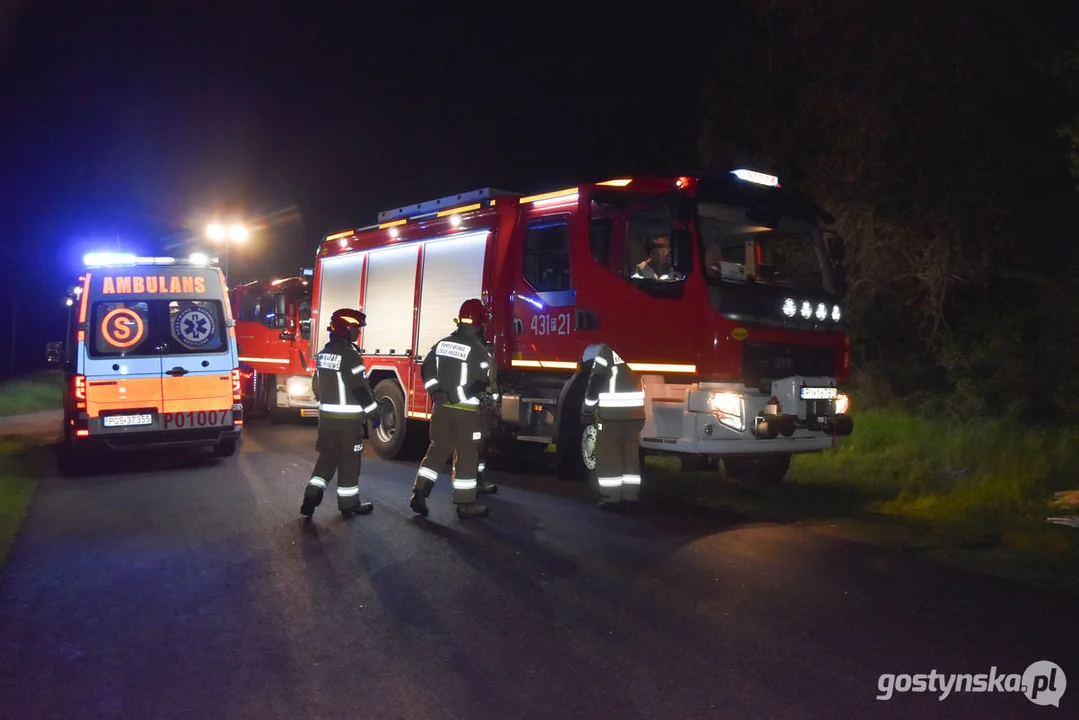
236, 392
78, 391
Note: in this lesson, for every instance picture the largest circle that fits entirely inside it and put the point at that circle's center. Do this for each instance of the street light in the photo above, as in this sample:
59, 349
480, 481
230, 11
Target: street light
216, 232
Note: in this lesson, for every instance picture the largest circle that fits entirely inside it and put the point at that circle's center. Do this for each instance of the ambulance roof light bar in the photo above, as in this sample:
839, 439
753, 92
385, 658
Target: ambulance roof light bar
112, 259
433, 206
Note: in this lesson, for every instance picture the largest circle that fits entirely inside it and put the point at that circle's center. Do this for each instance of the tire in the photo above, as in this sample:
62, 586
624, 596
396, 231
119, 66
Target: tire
395, 438
577, 451
763, 470
69, 461
225, 448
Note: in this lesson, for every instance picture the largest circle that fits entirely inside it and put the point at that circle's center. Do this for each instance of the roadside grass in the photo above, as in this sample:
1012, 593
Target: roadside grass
974, 493
18, 478
39, 391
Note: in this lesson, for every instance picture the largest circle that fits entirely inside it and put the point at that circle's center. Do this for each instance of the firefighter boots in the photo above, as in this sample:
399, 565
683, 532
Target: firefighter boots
362, 508
486, 487
312, 498
421, 489
471, 510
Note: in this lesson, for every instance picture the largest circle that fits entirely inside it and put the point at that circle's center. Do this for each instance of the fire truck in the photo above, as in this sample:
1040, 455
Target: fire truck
739, 338
273, 329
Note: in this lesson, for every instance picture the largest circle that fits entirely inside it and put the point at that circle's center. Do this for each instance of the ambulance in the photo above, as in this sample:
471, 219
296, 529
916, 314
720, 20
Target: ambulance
150, 357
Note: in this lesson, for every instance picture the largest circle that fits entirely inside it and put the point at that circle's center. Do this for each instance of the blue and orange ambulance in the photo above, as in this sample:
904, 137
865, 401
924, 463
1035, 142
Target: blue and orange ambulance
150, 357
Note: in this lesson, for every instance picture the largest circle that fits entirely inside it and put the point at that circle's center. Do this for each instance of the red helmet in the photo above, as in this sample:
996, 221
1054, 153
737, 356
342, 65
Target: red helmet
473, 312
347, 323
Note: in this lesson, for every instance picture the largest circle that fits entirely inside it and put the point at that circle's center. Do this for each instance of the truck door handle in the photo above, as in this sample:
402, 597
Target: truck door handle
586, 320
176, 371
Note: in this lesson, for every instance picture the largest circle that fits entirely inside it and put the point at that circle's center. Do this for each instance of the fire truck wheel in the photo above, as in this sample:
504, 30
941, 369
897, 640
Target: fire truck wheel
576, 449
390, 439
757, 470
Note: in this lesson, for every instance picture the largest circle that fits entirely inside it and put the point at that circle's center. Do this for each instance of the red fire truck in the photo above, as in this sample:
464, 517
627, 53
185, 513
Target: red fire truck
740, 338
273, 329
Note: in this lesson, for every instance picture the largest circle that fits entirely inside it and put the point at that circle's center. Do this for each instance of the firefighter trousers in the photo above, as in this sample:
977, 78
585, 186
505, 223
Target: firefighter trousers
339, 445
455, 433
618, 461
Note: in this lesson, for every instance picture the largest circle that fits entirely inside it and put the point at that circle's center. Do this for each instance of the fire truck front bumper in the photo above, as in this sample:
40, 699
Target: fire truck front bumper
794, 415
294, 392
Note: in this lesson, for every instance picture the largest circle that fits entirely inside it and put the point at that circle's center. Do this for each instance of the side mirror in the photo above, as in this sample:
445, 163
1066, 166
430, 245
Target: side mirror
305, 329
54, 352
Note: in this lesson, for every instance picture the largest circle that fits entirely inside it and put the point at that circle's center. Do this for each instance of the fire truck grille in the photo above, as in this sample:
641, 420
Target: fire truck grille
770, 361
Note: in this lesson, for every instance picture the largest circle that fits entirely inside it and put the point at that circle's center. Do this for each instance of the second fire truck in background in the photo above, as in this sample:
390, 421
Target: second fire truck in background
273, 330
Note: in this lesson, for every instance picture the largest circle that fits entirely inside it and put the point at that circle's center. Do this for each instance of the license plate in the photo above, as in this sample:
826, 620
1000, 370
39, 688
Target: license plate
127, 420
197, 419
819, 393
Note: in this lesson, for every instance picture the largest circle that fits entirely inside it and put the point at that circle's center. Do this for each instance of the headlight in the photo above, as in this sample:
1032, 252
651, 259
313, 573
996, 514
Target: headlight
822, 312
727, 408
297, 388
790, 308
842, 404
807, 309
836, 314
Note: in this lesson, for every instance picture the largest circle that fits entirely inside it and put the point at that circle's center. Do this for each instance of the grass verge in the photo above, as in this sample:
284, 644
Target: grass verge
18, 478
40, 391
976, 493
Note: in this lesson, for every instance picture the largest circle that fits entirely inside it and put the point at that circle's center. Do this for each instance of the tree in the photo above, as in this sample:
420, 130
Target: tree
911, 121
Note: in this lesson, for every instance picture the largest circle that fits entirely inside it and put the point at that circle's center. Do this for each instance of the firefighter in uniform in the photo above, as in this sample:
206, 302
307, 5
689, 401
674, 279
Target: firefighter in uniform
345, 402
457, 374
614, 402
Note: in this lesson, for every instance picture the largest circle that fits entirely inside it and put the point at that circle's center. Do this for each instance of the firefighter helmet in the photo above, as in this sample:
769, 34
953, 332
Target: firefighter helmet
474, 313
347, 323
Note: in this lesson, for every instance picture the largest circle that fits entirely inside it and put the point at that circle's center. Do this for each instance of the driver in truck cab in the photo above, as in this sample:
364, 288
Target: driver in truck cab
150, 358
658, 264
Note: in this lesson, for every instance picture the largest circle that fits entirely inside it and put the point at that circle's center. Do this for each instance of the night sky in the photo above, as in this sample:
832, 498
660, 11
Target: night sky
139, 121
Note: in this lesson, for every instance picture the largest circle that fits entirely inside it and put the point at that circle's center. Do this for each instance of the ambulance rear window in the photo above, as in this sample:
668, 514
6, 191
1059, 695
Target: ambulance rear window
134, 328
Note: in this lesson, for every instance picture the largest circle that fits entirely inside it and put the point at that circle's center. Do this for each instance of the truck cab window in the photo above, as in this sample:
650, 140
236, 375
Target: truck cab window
546, 261
632, 235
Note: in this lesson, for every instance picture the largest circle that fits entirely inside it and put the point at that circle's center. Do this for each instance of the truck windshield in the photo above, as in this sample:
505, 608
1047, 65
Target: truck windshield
736, 250
138, 328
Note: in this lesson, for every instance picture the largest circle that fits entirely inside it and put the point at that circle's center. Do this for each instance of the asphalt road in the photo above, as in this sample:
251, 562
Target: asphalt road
190, 587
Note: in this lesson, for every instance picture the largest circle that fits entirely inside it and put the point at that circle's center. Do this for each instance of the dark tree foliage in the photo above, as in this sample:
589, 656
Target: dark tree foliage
938, 134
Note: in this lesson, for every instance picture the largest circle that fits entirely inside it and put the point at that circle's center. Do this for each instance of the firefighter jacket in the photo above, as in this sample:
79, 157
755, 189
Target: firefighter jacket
460, 367
340, 381
614, 391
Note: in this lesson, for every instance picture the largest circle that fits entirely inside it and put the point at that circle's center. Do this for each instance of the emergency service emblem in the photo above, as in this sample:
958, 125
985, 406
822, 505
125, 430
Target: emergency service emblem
194, 326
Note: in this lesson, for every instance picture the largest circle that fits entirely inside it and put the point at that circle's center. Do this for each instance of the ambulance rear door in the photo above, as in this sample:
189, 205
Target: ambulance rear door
120, 358
197, 355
